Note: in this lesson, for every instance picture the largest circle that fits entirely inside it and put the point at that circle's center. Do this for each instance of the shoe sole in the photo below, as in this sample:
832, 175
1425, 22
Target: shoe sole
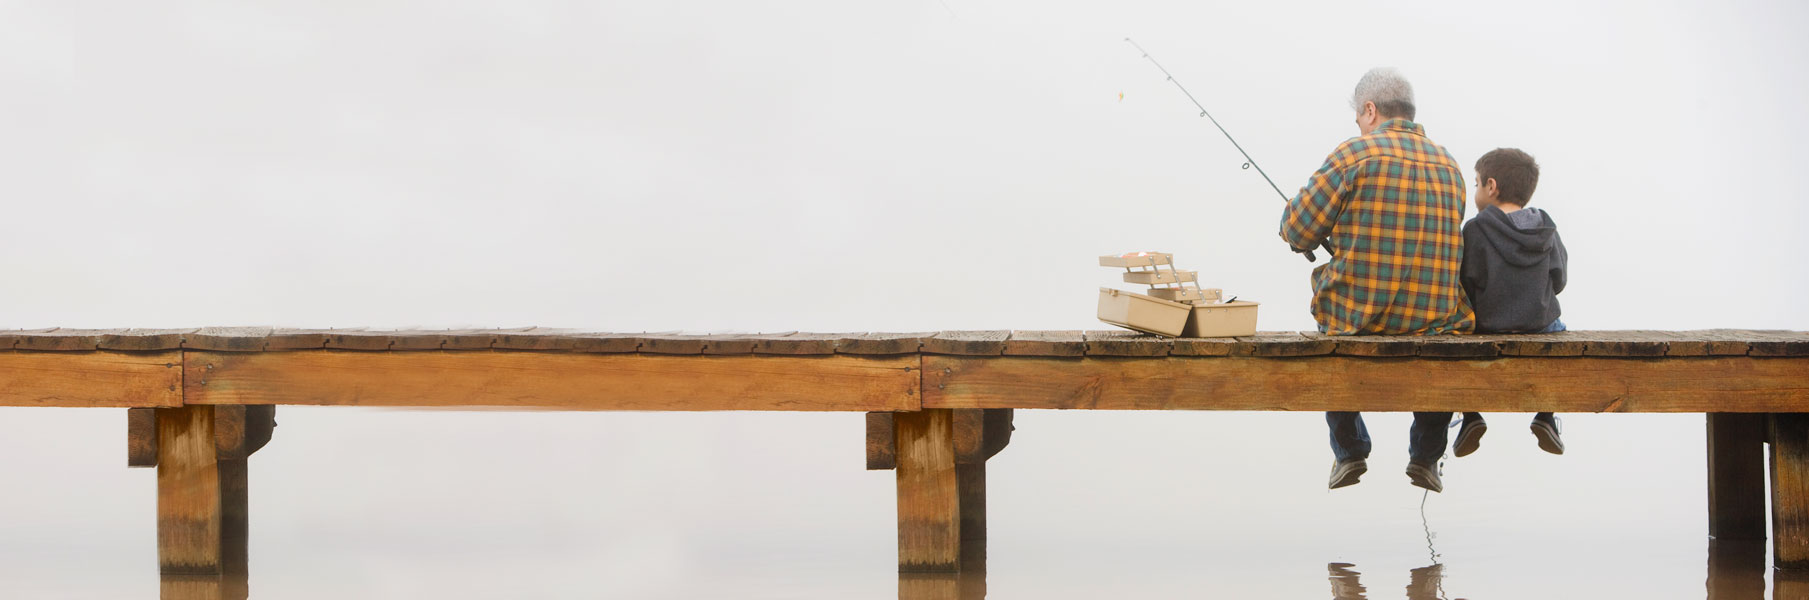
1548, 438
1421, 480
1349, 476
1469, 439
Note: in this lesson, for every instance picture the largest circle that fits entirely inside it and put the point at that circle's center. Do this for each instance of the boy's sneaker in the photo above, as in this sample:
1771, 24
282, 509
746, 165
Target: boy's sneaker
1424, 475
1547, 432
1346, 472
1469, 437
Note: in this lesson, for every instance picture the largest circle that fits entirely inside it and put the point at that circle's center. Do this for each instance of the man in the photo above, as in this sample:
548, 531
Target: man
1389, 205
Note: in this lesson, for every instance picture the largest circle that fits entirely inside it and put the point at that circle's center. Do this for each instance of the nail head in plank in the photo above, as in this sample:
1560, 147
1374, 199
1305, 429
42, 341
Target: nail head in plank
971, 343
1046, 343
1119, 342
227, 339
1283, 343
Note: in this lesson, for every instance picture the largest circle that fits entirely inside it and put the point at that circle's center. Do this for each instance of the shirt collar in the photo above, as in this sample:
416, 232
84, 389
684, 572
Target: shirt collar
1402, 125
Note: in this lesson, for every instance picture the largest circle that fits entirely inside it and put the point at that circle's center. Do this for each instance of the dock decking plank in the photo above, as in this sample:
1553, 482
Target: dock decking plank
878, 342
968, 343
1283, 343
1046, 343
1118, 342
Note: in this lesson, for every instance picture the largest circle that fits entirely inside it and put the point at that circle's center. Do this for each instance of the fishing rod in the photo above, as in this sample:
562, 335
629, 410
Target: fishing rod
1248, 162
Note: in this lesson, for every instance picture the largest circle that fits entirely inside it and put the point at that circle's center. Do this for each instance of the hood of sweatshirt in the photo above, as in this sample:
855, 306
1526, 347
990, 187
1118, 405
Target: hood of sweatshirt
1519, 247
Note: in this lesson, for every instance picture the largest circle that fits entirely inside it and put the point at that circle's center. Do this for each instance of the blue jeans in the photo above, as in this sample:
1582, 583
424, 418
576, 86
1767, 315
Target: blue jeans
1556, 325
1425, 443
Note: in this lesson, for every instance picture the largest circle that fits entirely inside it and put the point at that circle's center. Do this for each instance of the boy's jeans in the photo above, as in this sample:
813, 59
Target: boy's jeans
1426, 441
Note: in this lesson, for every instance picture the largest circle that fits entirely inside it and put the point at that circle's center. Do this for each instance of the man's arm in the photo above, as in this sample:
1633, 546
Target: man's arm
1309, 218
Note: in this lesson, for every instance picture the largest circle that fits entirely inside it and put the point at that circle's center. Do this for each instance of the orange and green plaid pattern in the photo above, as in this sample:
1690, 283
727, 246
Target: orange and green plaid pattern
1390, 204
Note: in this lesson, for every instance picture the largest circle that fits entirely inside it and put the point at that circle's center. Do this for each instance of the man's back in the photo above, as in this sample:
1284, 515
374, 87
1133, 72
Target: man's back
1390, 204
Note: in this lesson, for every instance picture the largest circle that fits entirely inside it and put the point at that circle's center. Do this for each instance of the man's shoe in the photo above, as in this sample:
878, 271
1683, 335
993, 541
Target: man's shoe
1549, 440
1346, 472
1469, 437
1426, 476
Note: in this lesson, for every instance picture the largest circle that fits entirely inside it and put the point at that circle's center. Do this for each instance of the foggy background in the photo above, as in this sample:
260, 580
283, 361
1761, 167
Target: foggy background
834, 166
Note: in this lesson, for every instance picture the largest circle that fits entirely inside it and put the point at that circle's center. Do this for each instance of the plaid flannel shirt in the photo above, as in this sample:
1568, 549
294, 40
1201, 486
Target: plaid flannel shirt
1390, 204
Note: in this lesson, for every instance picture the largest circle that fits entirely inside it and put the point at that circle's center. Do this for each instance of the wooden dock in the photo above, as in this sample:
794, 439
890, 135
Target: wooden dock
201, 401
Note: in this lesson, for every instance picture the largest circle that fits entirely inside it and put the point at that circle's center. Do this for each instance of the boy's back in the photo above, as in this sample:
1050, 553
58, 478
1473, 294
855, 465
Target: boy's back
1514, 267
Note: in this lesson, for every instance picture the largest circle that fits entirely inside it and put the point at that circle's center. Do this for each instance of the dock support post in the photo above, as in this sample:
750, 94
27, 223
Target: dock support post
190, 514
202, 493
929, 501
1736, 472
1790, 490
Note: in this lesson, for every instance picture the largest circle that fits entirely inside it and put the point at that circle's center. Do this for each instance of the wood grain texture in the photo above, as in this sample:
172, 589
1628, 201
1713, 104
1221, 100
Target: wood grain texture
1120, 342
881, 456
1045, 343
967, 343
1283, 343
1370, 345
1779, 343
877, 342
141, 437
145, 339
227, 339
1736, 475
1519, 384
1625, 343
538, 338
1564, 343
1790, 490
91, 379
189, 510
63, 340
1202, 346
929, 502
240, 431
800, 343
1710, 342
554, 380
1459, 346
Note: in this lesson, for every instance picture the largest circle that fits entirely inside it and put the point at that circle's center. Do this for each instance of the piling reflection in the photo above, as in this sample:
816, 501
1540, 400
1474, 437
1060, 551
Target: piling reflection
1737, 570
1424, 583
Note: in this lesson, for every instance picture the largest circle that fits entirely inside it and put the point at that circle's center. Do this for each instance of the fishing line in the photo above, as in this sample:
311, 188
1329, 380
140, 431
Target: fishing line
1248, 162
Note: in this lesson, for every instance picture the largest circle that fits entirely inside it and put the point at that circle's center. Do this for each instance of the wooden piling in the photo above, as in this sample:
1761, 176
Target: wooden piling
1736, 472
190, 514
1790, 490
929, 501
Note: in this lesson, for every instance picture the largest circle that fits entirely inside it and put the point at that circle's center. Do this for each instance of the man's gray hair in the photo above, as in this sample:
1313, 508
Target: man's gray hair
1388, 89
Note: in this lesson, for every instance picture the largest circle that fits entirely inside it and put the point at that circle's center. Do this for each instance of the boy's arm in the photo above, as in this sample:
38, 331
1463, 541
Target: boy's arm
1475, 269
1309, 218
1560, 263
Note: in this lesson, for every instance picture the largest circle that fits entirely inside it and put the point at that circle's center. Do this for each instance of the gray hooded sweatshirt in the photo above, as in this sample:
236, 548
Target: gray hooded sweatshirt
1513, 269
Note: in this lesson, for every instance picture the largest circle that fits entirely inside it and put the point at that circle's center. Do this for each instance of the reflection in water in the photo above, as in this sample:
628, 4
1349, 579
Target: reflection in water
1737, 569
1424, 583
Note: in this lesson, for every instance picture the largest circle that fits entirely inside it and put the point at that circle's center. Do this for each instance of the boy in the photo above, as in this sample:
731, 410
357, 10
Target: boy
1513, 270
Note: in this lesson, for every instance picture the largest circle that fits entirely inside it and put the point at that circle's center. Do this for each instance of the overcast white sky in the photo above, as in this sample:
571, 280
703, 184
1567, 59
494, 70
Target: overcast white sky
833, 166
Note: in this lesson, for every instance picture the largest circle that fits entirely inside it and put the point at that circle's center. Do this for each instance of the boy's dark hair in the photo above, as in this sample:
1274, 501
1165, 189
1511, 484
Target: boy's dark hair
1515, 174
